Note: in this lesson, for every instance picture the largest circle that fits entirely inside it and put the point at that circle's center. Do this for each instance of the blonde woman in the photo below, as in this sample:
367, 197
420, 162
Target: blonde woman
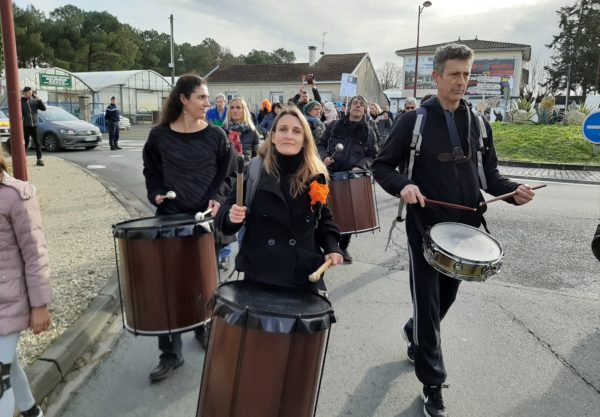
239, 128
25, 290
288, 234
244, 138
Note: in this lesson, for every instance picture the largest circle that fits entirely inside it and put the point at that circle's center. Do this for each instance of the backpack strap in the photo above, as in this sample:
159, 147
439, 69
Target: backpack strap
415, 151
254, 171
480, 150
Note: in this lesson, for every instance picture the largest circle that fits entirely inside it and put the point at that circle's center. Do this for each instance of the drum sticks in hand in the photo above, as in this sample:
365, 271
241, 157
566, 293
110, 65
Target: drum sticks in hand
507, 195
239, 195
315, 276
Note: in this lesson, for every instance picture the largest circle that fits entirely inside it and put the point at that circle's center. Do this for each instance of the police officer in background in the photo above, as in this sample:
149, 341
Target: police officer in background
112, 122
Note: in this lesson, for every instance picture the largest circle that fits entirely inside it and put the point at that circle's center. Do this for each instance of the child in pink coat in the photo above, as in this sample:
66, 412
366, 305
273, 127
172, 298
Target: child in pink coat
25, 290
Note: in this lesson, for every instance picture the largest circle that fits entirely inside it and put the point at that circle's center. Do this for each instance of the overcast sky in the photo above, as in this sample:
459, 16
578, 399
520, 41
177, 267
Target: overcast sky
377, 27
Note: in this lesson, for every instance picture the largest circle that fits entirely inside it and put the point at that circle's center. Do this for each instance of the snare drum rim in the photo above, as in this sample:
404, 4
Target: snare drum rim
455, 257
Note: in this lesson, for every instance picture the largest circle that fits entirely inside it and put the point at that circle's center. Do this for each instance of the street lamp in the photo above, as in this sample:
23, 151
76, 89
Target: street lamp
425, 4
172, 63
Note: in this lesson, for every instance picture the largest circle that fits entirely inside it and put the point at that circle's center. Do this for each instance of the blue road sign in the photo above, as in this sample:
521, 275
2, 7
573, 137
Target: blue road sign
591, 128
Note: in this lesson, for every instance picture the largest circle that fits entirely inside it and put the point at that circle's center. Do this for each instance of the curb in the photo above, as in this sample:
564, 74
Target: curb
50, 369
550, 166
59, 358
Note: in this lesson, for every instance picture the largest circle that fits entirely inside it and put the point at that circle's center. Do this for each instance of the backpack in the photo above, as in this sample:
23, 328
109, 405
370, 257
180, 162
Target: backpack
415, 151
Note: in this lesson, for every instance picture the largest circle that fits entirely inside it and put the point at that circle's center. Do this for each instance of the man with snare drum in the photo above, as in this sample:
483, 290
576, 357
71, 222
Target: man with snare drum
449, 158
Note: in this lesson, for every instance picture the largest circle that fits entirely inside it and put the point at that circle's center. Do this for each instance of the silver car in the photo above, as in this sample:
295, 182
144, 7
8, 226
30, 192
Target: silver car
58, 129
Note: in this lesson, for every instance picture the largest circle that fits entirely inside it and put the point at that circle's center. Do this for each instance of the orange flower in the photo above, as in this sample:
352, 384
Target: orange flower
318, 193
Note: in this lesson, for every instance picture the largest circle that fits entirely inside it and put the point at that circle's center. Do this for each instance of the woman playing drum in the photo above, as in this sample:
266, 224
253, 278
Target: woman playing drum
286, 236
186, 155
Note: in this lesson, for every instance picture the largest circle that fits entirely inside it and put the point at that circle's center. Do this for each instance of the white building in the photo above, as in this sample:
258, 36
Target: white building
499, 68
280, 82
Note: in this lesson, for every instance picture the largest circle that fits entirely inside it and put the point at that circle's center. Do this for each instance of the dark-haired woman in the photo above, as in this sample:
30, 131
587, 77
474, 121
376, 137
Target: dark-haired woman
187, 155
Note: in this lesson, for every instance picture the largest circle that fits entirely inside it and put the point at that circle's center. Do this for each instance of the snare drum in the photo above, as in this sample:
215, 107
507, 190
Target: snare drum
352, 201
462, 252
167, 273
266, 352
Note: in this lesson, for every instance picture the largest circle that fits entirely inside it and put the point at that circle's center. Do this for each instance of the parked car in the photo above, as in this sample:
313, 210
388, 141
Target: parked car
58, 129
4, 131
124, 123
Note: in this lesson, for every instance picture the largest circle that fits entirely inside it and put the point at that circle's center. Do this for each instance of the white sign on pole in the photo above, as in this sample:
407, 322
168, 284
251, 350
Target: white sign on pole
349, 85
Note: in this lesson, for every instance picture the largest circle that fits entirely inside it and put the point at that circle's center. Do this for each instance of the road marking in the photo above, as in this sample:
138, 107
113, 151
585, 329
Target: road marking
117, 156
96, 167
135, 150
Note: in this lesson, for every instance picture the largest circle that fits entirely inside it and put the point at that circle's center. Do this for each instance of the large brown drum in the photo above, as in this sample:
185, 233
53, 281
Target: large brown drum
352, 201
167, 273
266, 352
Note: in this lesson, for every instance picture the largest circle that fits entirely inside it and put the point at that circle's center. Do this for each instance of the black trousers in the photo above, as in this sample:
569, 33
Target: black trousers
170, 346
32, 132
113, 133
432, 294
345, 241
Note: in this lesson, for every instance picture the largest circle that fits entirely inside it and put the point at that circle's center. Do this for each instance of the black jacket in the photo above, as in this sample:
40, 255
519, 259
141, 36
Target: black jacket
29, 110
112, 113
296, 98
445, 181
281, 244
359, 140
249, 139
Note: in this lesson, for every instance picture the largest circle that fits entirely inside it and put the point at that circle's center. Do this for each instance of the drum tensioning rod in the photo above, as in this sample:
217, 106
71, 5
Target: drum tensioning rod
507, 195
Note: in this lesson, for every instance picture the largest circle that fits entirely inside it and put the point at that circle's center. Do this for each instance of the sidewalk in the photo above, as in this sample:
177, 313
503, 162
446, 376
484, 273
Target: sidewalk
78, 211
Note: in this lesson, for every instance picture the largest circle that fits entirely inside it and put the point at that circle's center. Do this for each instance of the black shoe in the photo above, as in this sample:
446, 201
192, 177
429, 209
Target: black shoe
347, 257
118, 147
224, 262
434, 403
410, 349
164, 368
34, 411
112, 148
40, 162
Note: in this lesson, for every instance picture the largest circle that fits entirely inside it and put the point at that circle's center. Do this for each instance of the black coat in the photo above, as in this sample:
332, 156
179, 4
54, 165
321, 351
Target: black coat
359, 140
29, 110
281, 247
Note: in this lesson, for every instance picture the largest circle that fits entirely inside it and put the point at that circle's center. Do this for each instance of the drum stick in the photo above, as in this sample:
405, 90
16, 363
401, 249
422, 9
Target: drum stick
315, 276
450, 205
239, 191
170, 195
201, 214
507, 195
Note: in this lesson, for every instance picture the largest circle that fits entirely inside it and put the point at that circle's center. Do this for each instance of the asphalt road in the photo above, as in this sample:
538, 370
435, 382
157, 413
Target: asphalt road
525, 343
546, 243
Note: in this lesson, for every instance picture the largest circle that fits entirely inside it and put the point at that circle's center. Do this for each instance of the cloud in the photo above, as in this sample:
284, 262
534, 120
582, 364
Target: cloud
379, 28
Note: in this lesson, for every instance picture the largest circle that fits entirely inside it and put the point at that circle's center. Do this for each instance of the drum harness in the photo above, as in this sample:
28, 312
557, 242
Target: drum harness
456, 156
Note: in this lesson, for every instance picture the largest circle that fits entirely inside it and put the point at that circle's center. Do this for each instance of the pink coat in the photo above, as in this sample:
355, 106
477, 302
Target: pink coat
24, 272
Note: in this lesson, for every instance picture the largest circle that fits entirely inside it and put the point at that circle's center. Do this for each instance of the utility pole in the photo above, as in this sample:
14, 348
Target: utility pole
17, 144
172, 63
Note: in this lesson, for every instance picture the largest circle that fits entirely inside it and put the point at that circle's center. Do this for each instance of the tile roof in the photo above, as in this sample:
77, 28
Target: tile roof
329, 68
475, 44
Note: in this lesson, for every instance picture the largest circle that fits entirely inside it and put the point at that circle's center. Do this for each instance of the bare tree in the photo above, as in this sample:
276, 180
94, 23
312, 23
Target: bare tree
536, 85
390, 75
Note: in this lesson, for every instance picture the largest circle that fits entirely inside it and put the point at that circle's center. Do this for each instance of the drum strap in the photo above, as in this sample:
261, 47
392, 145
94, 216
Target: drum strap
254, 170
480, 150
